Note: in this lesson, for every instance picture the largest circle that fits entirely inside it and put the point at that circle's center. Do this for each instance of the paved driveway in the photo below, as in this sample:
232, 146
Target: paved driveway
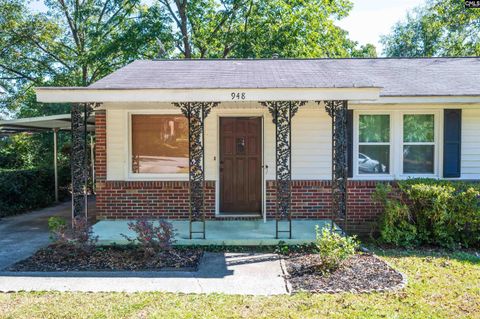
22, 235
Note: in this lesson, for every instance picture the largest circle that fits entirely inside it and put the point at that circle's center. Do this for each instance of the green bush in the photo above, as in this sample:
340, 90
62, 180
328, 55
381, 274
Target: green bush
334, 249
23, 190
57, 226
430, 212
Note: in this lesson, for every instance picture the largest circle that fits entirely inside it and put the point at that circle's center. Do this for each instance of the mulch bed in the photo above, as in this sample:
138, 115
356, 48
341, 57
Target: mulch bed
360, 273
109, 258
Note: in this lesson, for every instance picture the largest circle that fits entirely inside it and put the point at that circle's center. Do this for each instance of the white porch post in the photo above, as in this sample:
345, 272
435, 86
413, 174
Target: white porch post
92, 162
55, 161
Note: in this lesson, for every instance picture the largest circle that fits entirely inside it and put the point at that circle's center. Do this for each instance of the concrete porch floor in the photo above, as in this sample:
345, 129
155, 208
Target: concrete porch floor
221, 232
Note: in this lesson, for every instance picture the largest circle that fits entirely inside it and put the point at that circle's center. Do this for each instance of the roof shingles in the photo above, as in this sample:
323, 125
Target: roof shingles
396, 77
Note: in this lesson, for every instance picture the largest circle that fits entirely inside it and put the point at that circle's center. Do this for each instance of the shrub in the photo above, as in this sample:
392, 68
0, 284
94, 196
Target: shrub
334, 248
422, 211
23, 190
82, 233
150, 238
396, 223
57, 227
79, 235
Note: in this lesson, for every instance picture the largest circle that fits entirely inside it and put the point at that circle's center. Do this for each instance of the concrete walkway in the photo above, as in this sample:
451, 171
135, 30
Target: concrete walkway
229, 273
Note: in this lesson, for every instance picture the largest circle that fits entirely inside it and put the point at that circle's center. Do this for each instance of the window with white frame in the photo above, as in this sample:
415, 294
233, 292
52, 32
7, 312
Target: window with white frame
373, 144
159, 144
418, 144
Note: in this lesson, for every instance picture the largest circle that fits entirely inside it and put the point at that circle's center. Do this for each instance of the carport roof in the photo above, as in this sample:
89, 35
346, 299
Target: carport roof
39, 124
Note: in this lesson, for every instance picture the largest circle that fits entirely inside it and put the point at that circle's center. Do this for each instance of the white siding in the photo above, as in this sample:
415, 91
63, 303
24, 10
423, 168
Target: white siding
116, 144
471, 143
311, 143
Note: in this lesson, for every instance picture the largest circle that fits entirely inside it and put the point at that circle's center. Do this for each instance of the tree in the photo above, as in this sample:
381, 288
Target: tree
74, 43
438, 28
260, 29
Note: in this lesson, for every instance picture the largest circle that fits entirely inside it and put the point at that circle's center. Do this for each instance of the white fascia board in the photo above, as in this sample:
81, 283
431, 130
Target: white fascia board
422, 100
84, 95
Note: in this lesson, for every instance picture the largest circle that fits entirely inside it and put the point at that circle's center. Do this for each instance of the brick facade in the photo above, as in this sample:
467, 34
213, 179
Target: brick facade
311, 199
169, 199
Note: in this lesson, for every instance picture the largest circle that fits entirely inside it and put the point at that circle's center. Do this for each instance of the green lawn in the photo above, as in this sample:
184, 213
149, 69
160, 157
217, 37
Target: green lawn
441, 285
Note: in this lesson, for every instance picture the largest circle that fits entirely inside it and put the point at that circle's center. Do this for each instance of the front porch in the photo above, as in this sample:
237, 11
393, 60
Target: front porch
222, 232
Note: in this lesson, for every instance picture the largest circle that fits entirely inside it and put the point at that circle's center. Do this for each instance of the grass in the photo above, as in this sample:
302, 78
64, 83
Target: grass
441, 285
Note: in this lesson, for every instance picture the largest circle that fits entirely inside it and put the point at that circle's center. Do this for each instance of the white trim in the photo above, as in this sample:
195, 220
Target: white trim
130, 176
396, 143
421, 100
82, 95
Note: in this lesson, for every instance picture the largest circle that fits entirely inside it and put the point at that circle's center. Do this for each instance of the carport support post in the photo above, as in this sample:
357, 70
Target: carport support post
55, 161
92, 162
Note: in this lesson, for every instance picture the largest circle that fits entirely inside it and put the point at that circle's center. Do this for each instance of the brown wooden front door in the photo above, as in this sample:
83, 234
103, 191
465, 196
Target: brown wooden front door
240, 165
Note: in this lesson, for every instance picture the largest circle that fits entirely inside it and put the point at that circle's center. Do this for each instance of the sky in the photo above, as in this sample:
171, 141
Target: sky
368, 20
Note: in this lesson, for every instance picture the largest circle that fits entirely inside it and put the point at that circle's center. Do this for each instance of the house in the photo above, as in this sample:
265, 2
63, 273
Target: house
276, 139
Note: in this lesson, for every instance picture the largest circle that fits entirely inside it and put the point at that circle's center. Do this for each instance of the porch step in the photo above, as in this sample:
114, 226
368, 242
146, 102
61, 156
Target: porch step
220, 232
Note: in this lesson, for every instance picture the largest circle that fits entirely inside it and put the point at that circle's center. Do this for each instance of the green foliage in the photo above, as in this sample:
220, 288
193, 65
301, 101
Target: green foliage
334, 248
260, 29
22, 190
438, 28
57, 226
396, 224
423, 211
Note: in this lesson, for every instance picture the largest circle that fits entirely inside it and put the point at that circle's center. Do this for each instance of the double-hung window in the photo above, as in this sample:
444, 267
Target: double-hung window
159, 144
373, 144
418, 144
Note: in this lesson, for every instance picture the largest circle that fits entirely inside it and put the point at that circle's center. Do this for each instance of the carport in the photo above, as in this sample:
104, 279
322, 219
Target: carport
53, 124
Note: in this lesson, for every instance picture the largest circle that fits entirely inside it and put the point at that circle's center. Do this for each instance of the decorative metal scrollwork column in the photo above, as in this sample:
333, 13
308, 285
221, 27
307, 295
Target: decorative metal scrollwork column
79, 161
196, 112
282, 113
338, 111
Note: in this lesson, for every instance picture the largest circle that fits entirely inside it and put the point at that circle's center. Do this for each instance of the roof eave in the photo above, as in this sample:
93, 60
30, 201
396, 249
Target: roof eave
87, 95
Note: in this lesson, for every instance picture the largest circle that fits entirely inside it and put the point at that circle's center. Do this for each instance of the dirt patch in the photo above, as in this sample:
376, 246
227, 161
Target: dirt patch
114, 258
360, 273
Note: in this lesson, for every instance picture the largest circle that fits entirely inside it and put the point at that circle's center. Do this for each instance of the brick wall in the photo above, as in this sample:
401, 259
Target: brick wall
311, 199
133, 199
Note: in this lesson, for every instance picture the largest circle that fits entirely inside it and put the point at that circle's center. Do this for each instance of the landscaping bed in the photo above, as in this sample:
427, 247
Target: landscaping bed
108, 258
359, 273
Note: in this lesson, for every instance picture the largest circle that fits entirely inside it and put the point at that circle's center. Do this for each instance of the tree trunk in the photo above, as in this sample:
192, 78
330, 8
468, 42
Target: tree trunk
182, 11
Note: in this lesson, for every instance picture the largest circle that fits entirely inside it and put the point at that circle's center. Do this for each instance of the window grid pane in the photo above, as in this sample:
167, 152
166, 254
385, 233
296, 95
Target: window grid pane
374, 144
374, 128
418, 144
418, 128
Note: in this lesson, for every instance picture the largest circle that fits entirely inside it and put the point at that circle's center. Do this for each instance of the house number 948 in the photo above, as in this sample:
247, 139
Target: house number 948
238, 95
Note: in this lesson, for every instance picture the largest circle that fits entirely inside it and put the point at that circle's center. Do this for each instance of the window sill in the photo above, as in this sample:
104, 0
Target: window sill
158, 177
